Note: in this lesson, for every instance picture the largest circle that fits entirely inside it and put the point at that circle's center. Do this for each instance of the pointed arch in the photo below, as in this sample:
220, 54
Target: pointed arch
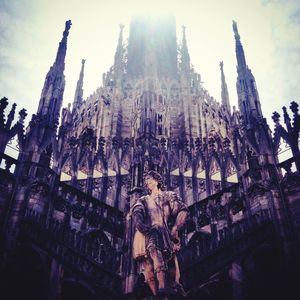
215, 173
214, 168
125, 164
100, 168
284, 150
164, 161
83, 169
66, 168
187, 166
280, 133
113, 165
200, 167
230, 171
174, 167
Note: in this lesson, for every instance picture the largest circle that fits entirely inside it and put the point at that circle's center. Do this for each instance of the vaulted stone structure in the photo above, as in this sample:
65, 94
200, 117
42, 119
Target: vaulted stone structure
65, 202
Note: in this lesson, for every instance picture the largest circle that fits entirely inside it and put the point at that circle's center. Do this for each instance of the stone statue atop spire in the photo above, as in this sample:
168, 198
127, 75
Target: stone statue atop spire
235, 30
62, 49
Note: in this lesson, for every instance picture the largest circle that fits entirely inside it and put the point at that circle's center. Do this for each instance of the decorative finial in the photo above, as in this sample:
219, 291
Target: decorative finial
221, 65
67, 28
68, 24
276, 117
294, 107
22, 115
286, 116
83, 61
3, 102
10, 116
235, 30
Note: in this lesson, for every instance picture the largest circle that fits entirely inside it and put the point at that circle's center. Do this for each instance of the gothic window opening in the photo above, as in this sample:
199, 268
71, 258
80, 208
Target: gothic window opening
164, 90
200, 173
81, 175
284, 152
188, 171
66, 173
215, 176
97, 173
125, 165
175, 166
159, 124
231, 172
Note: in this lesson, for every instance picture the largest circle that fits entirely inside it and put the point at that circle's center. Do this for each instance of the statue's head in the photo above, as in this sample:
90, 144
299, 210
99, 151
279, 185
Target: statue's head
156, 177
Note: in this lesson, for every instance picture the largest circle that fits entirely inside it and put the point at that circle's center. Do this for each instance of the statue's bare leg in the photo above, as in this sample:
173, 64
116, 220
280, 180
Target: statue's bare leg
149, 275
159, 267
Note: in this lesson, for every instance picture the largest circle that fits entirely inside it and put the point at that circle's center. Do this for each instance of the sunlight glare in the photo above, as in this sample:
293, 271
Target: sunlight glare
153, 8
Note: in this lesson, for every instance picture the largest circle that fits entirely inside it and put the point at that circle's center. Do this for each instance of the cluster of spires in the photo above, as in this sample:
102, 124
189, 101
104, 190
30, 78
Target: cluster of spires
248, 99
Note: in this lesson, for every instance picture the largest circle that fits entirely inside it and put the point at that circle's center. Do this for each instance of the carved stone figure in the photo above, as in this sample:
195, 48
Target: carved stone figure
156, 240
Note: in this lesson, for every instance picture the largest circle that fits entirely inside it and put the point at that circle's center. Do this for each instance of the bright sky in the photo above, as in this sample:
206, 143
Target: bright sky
31, 30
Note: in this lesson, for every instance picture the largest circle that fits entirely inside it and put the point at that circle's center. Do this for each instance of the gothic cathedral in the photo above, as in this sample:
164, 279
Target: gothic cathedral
65, 202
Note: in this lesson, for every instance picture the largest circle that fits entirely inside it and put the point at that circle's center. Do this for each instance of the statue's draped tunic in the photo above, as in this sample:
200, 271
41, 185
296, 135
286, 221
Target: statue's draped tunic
152, 216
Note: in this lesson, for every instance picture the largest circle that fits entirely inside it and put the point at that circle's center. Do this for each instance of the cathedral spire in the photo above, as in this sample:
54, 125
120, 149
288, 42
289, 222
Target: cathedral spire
52, 93
78, 98
224, 90
118, 63
43, 126
248, 98
120, 43
240, 55
62, 48
185, 56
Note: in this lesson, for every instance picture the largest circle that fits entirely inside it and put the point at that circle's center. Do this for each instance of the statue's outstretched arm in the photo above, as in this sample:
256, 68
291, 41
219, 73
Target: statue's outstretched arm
180, 220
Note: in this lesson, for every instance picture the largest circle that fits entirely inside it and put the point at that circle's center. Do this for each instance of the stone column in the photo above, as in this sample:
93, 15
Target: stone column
237, 278
54, 291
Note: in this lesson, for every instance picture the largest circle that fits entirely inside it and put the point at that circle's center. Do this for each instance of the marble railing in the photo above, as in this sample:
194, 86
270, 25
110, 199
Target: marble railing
205, 255
96, 261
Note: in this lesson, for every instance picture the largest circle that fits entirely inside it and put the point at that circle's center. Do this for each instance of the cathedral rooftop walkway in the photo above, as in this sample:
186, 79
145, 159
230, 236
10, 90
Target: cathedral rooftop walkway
96, 262
204, 257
